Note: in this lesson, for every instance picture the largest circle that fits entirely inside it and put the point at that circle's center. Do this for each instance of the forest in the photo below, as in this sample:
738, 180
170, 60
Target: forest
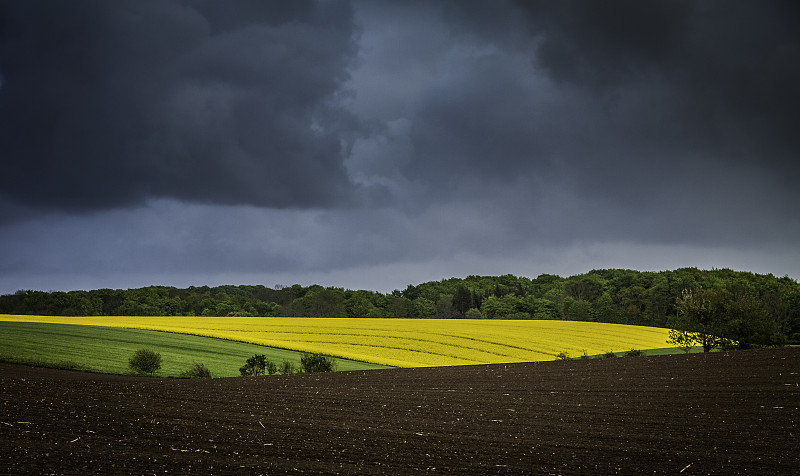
610, 295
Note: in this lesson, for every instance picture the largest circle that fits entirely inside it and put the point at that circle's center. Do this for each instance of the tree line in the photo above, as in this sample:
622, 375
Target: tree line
609, 295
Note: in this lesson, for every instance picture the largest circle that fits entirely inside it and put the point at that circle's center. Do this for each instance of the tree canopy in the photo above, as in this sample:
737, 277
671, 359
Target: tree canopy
765, 307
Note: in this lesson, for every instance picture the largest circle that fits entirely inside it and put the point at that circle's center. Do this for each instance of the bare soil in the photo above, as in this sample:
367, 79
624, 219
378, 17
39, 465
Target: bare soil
720, 413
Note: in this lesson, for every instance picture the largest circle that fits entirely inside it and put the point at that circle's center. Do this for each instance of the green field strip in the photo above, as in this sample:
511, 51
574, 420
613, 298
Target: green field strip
107, 349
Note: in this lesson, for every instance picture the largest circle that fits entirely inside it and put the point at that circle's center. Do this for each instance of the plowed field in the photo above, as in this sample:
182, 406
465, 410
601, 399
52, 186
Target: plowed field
721, 413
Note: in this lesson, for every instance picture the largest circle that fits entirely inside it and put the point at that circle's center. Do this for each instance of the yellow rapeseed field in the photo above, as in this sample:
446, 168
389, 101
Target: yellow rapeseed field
400, 342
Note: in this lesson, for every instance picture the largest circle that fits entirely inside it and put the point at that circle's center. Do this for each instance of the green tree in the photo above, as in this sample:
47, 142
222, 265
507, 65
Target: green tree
660, 303
444, 307
359, 304
423, 307
255, 365
473, 314
317, 363
635, 303
542, 308
605, 310
398, 306
584, 287
328, 303
749, 325
462, 300
701, 318
494, 307
145, 361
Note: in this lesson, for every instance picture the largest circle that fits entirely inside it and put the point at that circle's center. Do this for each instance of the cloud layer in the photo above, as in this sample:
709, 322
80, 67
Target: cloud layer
314, 138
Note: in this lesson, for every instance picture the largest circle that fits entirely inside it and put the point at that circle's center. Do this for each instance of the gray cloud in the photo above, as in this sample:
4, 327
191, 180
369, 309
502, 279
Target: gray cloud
106, 104
393, 142
655, 116
725, 65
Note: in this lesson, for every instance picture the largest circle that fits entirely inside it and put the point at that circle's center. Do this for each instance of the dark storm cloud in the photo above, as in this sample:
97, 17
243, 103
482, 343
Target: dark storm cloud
107, 104
395, 141
732, 65
662, 112
600, 42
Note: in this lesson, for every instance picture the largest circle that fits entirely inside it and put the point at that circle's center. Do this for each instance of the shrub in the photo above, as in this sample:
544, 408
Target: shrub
473, 314
255, 365
145, 361
563, 356
609, 354
317, 363
634, 353
286, 368
196, 371
584, 355
270, 367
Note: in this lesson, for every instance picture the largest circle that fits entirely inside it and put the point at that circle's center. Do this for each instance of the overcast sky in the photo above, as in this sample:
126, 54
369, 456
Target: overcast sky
376, 144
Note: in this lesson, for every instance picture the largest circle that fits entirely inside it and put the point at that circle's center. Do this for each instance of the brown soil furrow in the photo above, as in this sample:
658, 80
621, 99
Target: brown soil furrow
721, 413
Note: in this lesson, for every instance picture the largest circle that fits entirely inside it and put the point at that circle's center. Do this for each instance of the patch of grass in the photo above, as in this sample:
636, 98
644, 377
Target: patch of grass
610, 354
50, 364
672, 350
108, 349
645, 352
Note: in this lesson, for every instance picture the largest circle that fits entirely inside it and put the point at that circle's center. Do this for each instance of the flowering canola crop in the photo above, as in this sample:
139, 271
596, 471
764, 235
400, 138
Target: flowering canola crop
399, 342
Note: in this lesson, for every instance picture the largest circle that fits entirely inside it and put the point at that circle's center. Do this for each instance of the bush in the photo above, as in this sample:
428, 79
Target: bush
270, 367
473, 314
584, 355
286, 368
255, 365
563, 356
316, 363
145, 361
610, 354
196, 371
634, 353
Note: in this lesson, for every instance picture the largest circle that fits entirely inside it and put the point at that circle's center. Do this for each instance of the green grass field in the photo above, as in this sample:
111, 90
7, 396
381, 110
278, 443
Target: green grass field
646, 352
107, 349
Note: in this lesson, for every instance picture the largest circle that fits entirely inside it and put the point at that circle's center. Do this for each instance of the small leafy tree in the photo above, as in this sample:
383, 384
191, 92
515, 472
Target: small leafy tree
701, 319
196, 371
145, 361
255, 365
564, 355
317, 363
